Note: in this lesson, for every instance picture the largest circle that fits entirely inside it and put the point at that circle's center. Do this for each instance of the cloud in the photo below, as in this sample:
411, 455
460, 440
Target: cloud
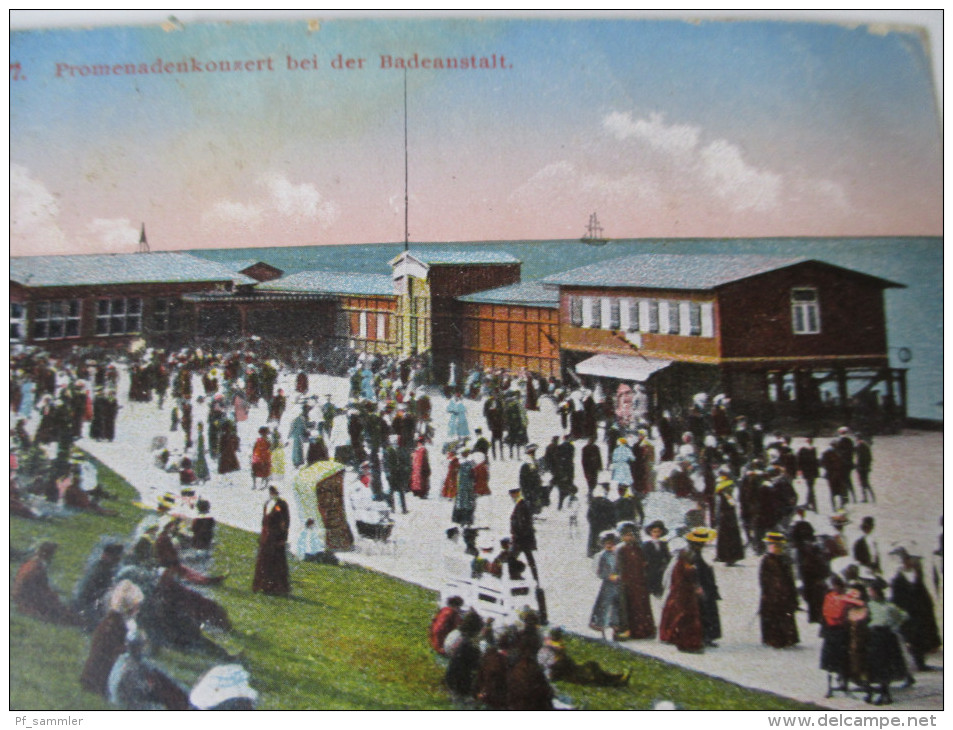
283, 203
645, 174
720, 165
113, 234
674, 138
715, 172
34, 215
744, 187
300, 202
564, 179
230, 212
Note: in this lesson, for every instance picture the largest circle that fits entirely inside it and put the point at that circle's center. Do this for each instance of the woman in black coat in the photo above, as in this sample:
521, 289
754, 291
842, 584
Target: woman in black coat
909, 593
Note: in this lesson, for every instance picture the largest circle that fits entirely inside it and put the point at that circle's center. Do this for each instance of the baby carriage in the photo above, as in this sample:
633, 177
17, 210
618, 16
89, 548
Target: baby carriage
372, 518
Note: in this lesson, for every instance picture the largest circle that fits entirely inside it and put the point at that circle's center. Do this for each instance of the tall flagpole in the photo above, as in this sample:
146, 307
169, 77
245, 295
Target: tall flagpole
406, 197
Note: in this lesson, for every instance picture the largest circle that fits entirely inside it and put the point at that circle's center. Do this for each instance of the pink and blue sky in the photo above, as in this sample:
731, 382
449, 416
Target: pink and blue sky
666, 128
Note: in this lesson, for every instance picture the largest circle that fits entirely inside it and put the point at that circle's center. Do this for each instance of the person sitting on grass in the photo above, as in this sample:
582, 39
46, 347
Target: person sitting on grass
93, 588
464, 658
311, 548
32, 594
75, 498
560, 667
138, 684
167, 556
446, 620
109, 638
203, 526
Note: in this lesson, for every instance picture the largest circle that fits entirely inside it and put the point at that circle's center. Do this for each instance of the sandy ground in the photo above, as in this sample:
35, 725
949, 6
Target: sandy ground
907, 476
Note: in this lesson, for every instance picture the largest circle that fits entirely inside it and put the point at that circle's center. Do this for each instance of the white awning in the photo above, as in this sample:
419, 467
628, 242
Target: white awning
622, 367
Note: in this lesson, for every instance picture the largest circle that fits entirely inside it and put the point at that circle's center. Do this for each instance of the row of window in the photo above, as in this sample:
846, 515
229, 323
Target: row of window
676, 317
661, 316
368, 323
60, 319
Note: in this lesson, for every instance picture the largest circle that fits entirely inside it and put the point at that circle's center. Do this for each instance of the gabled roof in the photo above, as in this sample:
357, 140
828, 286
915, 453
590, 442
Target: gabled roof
529, 293
685, 271
332, 282
464, 256
131, 268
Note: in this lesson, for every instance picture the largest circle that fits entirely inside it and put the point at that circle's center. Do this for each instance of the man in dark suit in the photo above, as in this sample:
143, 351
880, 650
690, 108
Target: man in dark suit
865, 548
591, 464
845, 447
565, 471
864, 461
522, 532
809, 467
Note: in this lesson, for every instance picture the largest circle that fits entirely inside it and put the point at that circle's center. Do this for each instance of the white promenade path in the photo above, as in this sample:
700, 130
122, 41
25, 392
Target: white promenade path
907, 476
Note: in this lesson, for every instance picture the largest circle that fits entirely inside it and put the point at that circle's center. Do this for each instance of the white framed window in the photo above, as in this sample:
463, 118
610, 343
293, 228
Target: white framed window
17, 321
694, 327
381, 326
56, 320
575, 311
630, 315
674, 318
118, 316
644, 323
708, 319
661, 317
362, 325
684, 318
595, 306
652, 305
614, 315
805, 311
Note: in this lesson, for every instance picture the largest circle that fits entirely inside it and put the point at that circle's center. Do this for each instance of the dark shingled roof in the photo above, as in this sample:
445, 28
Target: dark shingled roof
683, 271
128, 268
332, 282
528, 293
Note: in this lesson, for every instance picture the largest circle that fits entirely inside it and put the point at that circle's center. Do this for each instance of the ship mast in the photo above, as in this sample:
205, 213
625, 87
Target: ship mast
593, 230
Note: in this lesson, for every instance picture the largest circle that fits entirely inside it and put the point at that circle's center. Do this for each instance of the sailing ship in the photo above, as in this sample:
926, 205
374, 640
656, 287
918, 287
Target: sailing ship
594, 235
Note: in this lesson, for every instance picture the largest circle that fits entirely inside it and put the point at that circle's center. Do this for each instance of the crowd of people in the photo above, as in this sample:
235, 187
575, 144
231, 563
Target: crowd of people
732, 485
511, 667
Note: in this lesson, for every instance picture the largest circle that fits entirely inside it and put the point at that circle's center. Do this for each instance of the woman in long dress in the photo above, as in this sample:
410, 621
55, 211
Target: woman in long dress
605, 612
420, 470
681, 622
464, 505
622, 457
277, 456
636, 619
261, 459
271, 567
730, 548
298, 432
228, 449
458, 428
449, 490
885, 662
201, 465
778, 595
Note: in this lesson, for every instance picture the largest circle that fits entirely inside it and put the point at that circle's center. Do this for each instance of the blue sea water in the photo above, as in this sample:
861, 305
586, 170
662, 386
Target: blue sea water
914, 314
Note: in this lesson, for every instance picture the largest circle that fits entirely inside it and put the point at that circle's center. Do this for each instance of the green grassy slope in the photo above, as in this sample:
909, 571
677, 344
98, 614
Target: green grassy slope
348, 638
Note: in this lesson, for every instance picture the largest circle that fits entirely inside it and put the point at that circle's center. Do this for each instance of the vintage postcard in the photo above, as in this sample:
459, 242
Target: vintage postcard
475, 363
